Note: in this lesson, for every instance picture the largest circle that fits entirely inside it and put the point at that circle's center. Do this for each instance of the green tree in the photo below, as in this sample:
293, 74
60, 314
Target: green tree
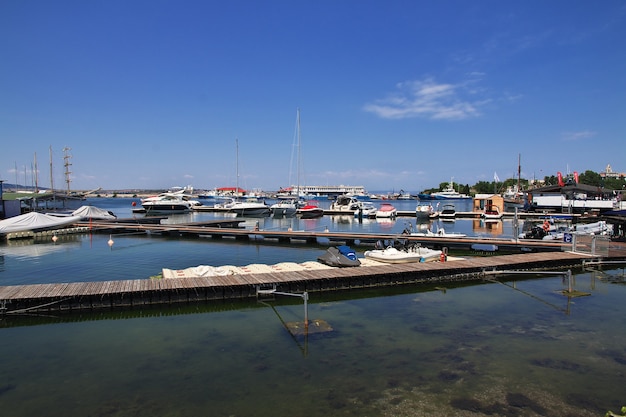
590, 178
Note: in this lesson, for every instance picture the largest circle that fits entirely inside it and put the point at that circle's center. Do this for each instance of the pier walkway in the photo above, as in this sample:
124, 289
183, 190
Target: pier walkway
135, 293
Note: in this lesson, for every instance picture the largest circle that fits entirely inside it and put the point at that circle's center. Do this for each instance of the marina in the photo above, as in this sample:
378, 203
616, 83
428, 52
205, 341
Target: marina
99, 298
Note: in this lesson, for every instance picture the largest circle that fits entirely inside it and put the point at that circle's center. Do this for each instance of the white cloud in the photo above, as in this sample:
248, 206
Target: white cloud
575, 136
429, 99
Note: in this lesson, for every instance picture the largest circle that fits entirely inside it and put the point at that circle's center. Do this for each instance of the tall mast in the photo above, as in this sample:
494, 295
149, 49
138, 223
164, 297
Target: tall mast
67, 164
237, 168
51, 174
519, 171
299, 155
36, 172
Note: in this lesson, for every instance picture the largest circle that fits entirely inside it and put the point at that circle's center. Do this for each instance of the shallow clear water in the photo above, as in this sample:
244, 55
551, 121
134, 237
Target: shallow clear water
513, 348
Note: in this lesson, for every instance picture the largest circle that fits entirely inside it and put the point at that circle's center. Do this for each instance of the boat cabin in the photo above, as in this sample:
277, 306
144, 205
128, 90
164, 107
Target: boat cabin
487, 202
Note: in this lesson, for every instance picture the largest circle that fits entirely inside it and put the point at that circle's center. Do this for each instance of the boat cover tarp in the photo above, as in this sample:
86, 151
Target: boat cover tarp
35, 222
196, 272
91, 212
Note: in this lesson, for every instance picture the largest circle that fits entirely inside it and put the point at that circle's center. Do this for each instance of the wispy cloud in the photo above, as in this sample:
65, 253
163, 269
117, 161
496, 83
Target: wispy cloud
431, 100
576, 136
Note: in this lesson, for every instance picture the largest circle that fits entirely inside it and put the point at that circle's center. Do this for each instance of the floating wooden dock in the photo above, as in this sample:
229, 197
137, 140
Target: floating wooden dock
135, 293
230, 229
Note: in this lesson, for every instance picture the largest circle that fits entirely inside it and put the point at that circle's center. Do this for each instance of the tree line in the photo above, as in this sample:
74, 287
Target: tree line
484, 187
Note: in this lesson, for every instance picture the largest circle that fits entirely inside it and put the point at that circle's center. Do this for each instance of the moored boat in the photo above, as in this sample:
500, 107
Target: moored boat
169, 203
404, 254
250, 207
345, 203
310, 211
424, 211
366, 209
387, 210
448, 212
491, 213
285, 208
35, 222
340, 256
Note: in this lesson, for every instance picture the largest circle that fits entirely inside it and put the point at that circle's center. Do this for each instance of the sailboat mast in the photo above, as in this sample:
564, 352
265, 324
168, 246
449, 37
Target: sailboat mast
36, 172
51, 175
299, 155
237, 168
519, 171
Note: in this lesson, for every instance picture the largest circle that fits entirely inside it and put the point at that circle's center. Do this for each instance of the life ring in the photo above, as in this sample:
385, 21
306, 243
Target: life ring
546, 226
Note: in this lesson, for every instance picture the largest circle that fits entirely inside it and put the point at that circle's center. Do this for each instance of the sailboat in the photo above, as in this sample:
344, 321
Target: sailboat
250, 207
289, 207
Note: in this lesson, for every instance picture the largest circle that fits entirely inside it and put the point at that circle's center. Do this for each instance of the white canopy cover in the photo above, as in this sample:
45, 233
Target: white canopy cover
35, 221
91, 212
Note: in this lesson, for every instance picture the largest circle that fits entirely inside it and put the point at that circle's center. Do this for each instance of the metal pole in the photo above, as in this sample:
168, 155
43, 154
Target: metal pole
305, 297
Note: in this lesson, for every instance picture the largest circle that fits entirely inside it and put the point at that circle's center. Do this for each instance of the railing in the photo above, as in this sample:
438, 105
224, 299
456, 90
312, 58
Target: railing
591, 244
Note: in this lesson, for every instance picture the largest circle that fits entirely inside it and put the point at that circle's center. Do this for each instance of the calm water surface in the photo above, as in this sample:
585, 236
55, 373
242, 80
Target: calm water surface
513, 348
79, 258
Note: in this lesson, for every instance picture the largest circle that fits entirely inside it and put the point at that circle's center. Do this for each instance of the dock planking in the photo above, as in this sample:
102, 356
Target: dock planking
129, 293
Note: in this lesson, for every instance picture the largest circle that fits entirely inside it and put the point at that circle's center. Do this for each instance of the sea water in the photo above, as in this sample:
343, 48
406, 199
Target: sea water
139, 255
518, 347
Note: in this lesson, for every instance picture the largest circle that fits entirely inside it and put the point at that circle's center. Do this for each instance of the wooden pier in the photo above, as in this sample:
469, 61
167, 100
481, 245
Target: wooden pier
67, 297
225, 229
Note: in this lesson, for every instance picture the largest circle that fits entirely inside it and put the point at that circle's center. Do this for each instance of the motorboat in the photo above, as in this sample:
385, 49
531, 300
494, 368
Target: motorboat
387, 211
310, 211
286, 208
424, 212
399, 253
439, 233
250, 207
169, 203
35, 222
448, 212
552, 229
366, 209
340, 256
492, 213
345, 203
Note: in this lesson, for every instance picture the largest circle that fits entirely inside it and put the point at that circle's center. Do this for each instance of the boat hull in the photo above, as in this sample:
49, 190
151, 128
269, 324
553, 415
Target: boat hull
394, 256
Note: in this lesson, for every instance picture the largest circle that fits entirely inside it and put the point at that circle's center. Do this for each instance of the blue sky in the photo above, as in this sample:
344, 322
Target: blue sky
393, 94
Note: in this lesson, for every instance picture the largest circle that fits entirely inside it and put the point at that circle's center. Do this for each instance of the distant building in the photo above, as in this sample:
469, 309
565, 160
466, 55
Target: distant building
608, 173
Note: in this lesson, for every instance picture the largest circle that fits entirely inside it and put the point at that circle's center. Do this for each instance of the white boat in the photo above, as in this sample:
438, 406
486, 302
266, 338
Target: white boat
169, 203
249, 207
310, 211
413, 253
366, 209
425, 212
448, 212
439, 233
491, 213
285, 208
387, 211
597, 228
449, 193
345, 203
35, 222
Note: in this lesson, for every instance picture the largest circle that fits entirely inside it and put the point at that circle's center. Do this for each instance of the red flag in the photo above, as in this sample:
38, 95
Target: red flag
559, 177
